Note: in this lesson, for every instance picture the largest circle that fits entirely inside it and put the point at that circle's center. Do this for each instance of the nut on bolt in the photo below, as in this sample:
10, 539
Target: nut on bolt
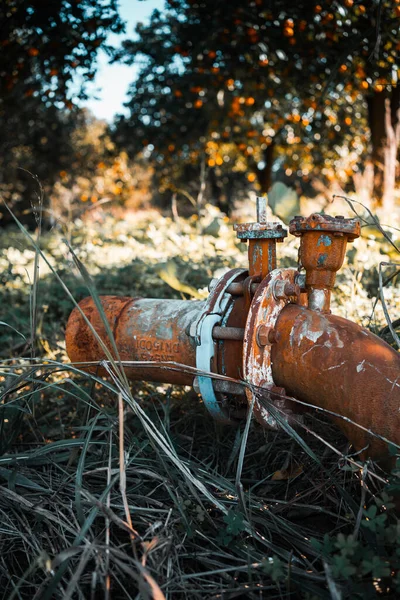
262, 335
265, 336
284, 289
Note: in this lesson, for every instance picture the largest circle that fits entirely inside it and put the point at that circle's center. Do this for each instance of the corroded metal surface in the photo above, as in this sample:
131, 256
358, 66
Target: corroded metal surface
246, 231
322, 251
143, 330
333, 363
269, 327
257, 368
228, 333
262, 236
319, 222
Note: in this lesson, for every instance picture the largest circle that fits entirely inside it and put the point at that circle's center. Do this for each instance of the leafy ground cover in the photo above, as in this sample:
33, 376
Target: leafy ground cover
132, 491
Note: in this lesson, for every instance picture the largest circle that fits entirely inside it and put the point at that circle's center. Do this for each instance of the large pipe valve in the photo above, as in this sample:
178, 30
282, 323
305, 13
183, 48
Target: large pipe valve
257, 326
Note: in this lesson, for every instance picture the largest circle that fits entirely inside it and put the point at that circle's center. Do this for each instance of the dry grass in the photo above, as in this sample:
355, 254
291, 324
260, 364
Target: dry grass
117, 491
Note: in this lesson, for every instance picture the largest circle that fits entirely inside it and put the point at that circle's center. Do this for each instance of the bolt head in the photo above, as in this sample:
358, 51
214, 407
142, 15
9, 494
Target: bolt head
262, 335
193, 329
272, 339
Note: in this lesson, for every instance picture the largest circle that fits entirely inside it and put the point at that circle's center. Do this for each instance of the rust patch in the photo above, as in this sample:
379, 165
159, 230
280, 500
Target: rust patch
258, 339
143, 329
333, 363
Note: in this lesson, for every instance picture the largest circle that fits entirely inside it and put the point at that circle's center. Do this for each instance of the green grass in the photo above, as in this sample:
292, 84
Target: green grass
164, 502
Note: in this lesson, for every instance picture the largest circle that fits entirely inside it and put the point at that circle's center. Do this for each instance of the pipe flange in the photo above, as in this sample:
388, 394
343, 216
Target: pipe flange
260, 231
216, 306
259, 337
319, 222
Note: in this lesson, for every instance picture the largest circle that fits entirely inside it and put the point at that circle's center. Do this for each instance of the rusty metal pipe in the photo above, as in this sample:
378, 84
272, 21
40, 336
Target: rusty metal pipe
255, 326
335, 364
143, 329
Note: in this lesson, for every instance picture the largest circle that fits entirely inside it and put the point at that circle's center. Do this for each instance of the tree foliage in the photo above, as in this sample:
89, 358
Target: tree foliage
48, 54
234, 84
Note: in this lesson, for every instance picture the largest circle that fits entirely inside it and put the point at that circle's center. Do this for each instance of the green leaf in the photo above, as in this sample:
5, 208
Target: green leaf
273, 567
376, 566
326, 547
234, 522
346, 544
342, 567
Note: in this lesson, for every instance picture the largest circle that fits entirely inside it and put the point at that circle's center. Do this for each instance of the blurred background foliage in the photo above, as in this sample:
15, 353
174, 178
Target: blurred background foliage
226, 102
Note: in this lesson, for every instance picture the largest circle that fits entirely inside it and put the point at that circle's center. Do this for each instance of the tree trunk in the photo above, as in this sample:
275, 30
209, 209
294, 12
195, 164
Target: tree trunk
217, 195
384, 123
264, 175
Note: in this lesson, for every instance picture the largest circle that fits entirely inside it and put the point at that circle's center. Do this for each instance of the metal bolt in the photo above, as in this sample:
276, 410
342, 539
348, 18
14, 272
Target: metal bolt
272, 339
291, 289
262, 335
279, 289
283, 289
301, 281
193, 329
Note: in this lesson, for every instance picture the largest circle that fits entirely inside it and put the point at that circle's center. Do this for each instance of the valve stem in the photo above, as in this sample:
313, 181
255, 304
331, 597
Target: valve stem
262, 208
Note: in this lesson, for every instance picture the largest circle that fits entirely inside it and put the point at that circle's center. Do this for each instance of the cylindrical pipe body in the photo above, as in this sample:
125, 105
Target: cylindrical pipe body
335, 364
143, 330
262, 257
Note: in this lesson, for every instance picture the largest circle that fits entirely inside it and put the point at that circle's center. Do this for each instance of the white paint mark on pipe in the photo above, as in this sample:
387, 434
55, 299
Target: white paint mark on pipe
360, 367
336, 366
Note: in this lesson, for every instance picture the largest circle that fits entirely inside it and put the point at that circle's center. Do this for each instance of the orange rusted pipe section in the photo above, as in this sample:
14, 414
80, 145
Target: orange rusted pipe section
262, 237
322, 251
143, 330
335, 364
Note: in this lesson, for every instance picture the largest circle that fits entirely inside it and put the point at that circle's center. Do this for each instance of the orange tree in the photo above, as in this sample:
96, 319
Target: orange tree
96, 174
48, 53
315, 79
